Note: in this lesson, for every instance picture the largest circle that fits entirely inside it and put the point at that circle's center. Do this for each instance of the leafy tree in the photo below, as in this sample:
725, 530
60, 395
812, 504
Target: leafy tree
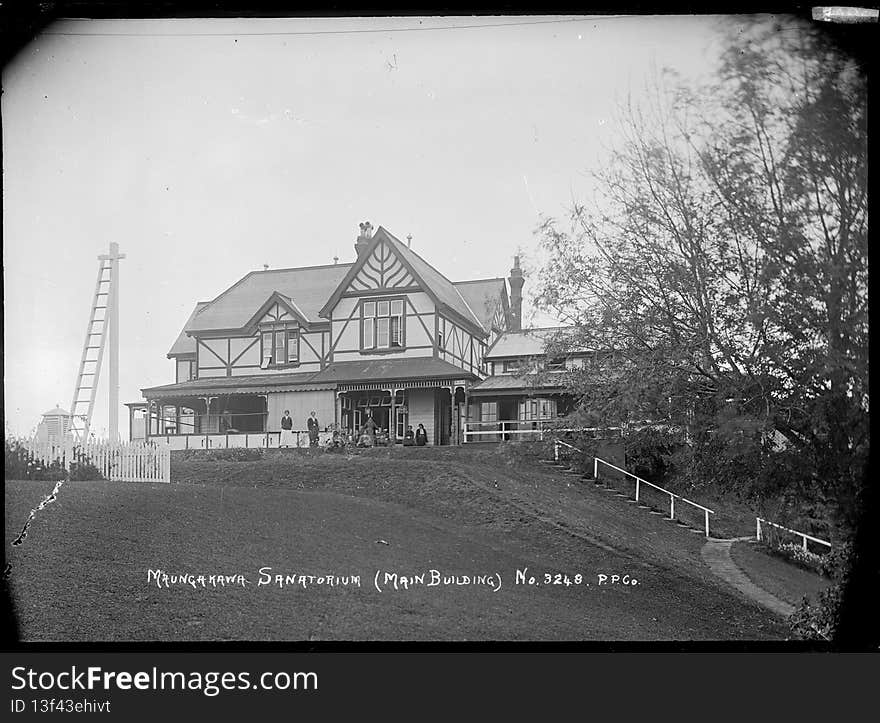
722, 267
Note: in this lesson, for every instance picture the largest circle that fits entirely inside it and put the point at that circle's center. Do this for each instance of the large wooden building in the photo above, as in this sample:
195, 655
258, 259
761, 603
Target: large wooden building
387, 335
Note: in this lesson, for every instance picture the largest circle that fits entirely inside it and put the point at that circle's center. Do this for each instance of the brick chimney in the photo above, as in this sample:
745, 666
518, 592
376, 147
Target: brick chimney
363, 240
516, 281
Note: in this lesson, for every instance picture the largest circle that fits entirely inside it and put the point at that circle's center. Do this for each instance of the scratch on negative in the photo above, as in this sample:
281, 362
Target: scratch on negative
47, 500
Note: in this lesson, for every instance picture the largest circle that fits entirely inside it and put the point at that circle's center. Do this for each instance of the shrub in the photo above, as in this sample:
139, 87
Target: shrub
20, 463
233, 454
820, 621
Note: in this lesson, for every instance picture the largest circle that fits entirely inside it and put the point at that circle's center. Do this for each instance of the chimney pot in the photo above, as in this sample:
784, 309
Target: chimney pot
516, 281
363, 238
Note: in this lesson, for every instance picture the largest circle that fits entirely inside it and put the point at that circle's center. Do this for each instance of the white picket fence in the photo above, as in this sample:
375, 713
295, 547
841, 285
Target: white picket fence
129, 462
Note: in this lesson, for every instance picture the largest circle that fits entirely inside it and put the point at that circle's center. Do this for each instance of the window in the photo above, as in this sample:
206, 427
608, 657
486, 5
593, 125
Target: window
532, 409
280, 348
489, 411
556, 364
382, 324
512, 365
292, 346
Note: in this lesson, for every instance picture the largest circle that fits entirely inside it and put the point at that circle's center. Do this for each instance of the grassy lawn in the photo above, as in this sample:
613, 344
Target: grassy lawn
786, 581
82, 572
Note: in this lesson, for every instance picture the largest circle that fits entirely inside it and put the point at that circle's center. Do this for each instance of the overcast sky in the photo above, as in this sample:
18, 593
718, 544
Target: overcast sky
209, 148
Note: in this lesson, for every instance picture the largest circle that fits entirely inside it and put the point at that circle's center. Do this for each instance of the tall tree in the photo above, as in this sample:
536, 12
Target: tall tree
724, 259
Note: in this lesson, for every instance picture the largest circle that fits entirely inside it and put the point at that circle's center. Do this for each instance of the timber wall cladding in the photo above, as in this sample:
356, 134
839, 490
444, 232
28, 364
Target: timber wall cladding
418, 325
421, 410
301, 405
241, 355
459, 346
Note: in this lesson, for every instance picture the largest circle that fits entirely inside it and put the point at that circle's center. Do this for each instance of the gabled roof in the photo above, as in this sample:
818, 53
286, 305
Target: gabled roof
185, 344
483, 296
528, 342
436, 285
234, 308
285, 301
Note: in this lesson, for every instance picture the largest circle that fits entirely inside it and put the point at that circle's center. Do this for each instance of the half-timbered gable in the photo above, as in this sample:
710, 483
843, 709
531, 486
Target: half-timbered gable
381, 270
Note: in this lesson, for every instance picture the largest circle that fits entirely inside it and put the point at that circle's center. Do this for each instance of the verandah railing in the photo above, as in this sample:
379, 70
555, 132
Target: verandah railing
524, 429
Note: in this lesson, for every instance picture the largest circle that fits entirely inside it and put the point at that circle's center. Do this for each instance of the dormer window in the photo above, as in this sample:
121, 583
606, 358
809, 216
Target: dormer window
382, 325
280, 348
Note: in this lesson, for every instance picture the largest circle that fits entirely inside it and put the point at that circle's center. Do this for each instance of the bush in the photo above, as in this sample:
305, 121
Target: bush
650, 452
21, 464
234, 454
820, 621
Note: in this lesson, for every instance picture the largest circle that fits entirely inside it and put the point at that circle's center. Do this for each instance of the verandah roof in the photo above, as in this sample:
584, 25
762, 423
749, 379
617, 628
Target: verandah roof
515, 385
339, 373
257, 384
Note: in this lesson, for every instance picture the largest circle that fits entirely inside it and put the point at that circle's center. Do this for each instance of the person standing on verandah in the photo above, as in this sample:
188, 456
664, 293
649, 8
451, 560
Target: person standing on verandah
313, 430
286, 430
421, 436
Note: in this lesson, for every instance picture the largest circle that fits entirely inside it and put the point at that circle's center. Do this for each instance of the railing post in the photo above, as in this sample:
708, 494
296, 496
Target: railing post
706, 512
555, 451
805, 542
758, 529
595, 468
637, 489
671, 507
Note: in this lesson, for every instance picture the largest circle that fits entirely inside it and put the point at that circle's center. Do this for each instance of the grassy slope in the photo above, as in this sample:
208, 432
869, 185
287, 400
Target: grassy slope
81, 574
786, 581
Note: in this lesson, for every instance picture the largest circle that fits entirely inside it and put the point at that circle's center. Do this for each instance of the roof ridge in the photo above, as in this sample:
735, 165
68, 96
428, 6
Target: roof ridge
301, 268
477, 281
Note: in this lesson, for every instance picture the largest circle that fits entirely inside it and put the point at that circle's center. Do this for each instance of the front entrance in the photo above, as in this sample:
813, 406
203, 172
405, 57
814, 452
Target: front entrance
389, 414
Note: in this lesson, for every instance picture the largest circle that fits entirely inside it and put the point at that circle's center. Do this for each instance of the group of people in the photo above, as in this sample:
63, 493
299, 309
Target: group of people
287, 437
369, 435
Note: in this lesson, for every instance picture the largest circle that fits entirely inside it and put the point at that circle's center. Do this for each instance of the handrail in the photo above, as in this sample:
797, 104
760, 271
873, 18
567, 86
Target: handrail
639, 481
806, 537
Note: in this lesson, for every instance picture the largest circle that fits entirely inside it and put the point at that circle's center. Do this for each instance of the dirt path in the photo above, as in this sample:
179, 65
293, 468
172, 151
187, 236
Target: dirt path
716, 554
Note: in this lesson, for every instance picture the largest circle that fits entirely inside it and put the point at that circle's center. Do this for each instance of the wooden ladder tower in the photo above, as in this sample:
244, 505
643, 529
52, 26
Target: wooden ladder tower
102, 330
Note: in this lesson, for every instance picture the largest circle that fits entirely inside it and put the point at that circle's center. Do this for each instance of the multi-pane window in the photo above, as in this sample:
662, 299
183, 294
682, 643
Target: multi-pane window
532, 409
382, 324
489, 411
512, 365
279, 348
